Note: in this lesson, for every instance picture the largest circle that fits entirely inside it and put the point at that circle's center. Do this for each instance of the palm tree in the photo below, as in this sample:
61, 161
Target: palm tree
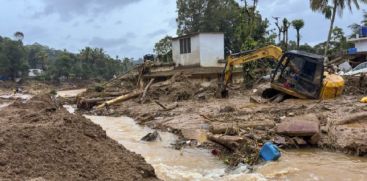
19, 35
286, 25
298, 25
337, 6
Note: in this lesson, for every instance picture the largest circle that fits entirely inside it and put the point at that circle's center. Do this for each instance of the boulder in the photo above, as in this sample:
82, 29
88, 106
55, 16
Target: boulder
306, 125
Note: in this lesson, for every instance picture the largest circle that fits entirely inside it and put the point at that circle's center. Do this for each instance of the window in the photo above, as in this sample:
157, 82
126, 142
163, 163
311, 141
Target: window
185, 45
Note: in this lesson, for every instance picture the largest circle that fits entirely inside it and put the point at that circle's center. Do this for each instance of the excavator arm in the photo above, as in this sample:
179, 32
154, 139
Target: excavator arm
270, 51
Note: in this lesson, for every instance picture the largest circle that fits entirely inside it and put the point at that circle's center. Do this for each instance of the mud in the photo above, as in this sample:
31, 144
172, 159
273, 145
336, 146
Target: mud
244, 114
41, 140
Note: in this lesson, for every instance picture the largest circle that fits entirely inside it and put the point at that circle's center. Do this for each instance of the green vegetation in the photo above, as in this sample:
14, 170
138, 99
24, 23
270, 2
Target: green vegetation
163, 49
330, 8
242, 24
298, 25
90, 63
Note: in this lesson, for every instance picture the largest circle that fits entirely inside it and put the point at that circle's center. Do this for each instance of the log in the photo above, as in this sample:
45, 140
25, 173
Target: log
142, 99
161, 105
230, 142
166, 108
222, 128
94, 100
228, 129
121, 99
353, 118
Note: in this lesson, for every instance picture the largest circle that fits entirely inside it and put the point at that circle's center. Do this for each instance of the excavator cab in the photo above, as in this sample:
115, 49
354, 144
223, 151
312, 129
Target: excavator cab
299, 74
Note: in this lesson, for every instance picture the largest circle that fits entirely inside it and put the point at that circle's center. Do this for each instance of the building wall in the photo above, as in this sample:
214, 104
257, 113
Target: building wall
211, 49
361, 46
187, 59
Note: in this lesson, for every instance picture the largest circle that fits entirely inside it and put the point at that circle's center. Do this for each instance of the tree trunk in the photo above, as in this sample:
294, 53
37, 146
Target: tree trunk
330, 31
286, 39
298, 39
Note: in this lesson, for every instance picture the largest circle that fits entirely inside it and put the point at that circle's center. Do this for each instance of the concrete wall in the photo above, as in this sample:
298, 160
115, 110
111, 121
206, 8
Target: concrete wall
186, 59
361, 46
211, 49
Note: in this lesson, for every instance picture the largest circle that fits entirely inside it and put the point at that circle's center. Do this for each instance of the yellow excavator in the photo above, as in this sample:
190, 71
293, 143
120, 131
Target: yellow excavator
298, 74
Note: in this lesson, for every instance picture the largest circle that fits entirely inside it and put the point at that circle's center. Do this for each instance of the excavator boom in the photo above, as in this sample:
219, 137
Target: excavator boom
270, 51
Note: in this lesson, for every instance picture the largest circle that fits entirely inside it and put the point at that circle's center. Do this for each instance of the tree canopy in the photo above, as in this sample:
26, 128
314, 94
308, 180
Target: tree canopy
90, 63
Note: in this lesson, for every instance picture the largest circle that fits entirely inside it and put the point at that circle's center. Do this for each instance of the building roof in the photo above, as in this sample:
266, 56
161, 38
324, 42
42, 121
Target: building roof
306, 54
357, 39
195, 34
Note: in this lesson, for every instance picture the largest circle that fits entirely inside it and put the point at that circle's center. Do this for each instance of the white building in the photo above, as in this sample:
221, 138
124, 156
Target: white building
34, 72
360, 43
199, 49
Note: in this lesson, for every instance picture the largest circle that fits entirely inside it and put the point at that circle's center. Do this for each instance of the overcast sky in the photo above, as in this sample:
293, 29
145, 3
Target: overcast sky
129, 28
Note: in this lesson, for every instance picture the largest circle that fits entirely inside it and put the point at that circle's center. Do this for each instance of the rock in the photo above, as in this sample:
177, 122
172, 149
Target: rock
151, 136
307, 125
280, 140
227, 109
315, 139
300, 141
257, 99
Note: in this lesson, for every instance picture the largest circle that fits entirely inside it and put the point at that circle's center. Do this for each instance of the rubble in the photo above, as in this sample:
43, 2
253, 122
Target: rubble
236, 127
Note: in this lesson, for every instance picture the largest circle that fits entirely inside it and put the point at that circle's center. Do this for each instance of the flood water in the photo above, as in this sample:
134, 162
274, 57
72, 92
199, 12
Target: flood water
196, 164
199, 164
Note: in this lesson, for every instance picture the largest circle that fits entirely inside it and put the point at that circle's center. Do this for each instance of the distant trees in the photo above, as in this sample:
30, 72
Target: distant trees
298, 25
90, 63
163, 48
335, 6
13, 63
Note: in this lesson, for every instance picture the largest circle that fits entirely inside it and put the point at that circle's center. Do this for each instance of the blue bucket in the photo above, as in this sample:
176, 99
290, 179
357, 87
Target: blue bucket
270, 152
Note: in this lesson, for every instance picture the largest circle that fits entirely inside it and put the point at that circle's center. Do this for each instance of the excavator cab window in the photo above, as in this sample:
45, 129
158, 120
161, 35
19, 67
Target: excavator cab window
301, 73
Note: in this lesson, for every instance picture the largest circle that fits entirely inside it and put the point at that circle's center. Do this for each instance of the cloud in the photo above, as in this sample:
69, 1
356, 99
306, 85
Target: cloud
66, 9
107, 42
156, 33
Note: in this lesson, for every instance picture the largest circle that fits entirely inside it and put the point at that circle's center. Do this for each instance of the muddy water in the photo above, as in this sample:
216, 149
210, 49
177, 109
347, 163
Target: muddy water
196, 164
170, 164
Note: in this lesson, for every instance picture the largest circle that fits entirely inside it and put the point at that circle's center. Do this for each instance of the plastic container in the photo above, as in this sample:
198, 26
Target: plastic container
352, 50
363, 31
270, 152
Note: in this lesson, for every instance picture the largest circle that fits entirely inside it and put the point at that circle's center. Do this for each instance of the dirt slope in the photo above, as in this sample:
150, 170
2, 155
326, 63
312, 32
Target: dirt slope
40, 139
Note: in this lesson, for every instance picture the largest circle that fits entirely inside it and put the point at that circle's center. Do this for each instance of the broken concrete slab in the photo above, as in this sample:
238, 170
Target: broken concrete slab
306, 125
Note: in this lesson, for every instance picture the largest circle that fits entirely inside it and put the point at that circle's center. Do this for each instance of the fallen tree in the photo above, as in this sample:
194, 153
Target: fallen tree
231, 142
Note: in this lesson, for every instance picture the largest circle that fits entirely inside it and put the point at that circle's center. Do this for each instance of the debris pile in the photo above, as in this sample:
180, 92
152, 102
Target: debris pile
41, 140
356, 85
178, 88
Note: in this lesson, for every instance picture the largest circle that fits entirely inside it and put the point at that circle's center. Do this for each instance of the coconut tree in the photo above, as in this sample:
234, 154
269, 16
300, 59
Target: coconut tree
286, 25
337, 7
19, 35
298, 25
